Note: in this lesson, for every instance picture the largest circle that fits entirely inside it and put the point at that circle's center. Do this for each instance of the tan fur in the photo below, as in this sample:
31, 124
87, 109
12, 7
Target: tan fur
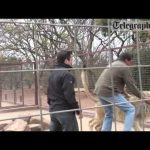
95, 123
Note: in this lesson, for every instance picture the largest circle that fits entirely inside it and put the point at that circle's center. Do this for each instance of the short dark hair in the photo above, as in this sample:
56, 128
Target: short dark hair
125, 55
62, 55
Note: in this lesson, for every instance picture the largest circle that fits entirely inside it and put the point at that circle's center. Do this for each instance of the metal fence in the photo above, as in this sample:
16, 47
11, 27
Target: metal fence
24, 83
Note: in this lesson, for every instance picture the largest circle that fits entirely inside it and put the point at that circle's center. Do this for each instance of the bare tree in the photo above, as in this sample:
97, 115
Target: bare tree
41, 40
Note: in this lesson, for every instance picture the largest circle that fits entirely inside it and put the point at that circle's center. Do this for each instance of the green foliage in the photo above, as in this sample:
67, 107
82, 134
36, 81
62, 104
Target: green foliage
144, 54
9, 59
143, 36
13, 80
28, 79
103, 22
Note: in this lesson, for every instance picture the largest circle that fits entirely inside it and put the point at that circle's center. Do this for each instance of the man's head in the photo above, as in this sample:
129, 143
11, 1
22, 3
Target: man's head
126, 57
64, 56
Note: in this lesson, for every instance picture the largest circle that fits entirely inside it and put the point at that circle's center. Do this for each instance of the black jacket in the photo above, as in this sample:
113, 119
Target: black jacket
61, 94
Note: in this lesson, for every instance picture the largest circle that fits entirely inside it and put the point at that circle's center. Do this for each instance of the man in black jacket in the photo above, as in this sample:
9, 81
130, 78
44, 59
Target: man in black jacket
61, 95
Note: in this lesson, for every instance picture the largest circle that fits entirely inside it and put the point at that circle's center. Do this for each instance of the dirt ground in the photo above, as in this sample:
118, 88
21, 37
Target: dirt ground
29, 99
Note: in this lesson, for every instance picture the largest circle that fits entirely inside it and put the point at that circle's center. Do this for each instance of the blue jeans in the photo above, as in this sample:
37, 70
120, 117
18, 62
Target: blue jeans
65, 121
124, 105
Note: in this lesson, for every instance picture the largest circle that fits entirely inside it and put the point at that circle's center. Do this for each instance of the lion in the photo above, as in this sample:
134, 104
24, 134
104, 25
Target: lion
96, 122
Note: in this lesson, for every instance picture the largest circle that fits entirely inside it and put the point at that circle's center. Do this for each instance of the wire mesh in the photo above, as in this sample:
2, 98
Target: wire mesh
90, 43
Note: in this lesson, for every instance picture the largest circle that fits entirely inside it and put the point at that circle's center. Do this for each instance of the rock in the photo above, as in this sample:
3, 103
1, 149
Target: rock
17, 125
4, 123
26, 118
2, 126
37, 120
35, 127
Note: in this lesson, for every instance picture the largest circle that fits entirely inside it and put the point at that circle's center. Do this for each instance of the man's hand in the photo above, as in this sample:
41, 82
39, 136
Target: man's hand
80, 115
147, 100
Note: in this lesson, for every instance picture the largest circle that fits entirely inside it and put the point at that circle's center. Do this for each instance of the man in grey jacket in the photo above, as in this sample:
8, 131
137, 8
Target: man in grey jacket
121, 76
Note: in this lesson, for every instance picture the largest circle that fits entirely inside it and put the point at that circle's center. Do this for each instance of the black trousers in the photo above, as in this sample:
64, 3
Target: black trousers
64, 122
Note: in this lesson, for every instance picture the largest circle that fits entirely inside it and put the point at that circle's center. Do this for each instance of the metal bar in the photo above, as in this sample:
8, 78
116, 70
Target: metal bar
13, 108
140, 79
77, 73
86, 53
39, 96
22, 86
76, 25
35, 70
112, 81
0, 90
70, 110
38, 80
106, 49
